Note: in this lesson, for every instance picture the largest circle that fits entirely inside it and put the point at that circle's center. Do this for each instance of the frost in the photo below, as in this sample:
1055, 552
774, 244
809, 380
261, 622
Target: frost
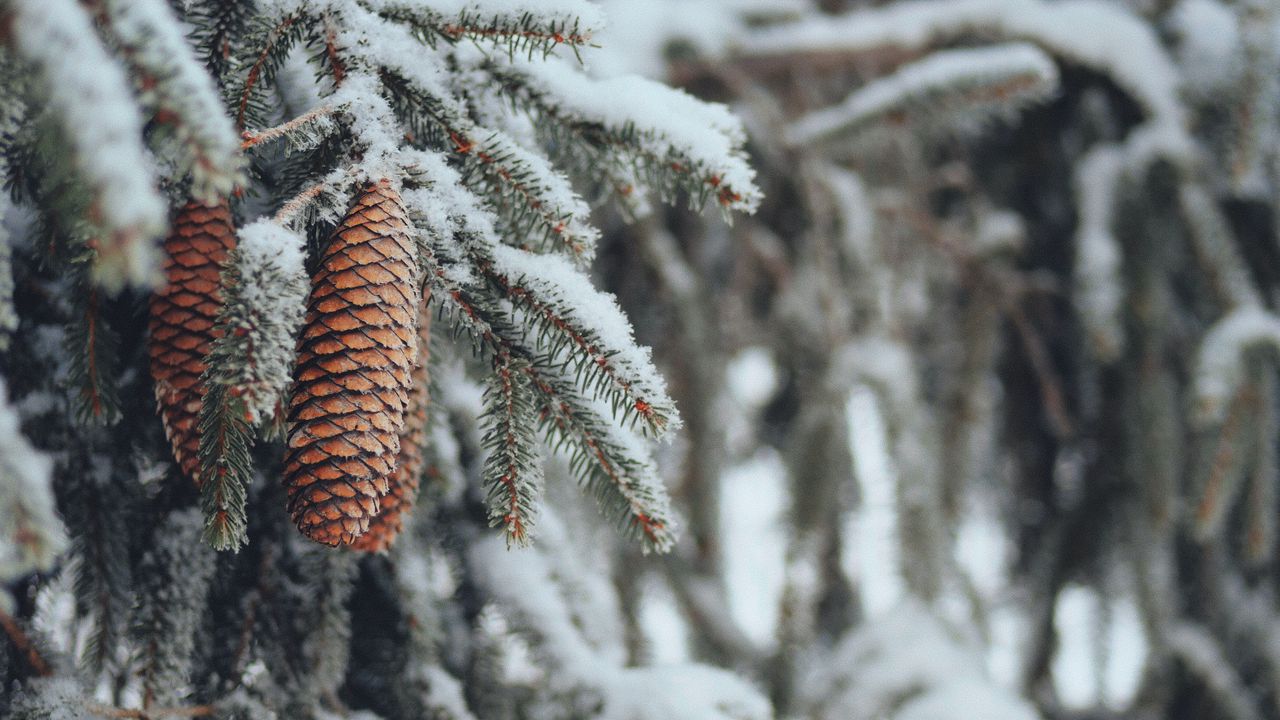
53, 698
596, 323
267, 305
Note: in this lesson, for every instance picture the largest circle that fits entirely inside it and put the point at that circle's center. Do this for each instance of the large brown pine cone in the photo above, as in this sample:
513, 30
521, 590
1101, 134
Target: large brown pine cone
352, 378
403, 485
183, 314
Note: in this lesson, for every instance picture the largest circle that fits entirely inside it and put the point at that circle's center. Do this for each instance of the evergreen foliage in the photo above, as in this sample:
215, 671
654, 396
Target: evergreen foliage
195, 599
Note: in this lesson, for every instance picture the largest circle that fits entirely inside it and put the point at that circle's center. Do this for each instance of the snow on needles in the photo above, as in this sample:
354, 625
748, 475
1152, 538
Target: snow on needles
1220, 362
178, 83
269, 303
1098, 35
586, 15
595, 314
90, 95
985, 82
668, 121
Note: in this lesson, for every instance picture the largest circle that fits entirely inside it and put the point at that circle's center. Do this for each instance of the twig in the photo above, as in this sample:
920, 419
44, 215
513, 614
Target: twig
23, 643
294, 206
1055, 406
251, 138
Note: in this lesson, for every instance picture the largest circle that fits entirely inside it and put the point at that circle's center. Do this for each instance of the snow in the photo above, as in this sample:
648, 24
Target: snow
668, 121
1099, 287
528, 584
871, 554
752, 378
1220, 361
31, 533
273, 289
1101, 648
1099, 35
596, 318
445, 694
907, 664
91, 98
754, 538
182, 86
445, 201
1020, 72
682, 692
664, 625
1210, 49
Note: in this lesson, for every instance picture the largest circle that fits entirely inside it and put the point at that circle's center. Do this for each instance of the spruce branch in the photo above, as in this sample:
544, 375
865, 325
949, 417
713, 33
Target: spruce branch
225, 465
88, 95
176, 92
505, 26
301, 133
512, 470
249, 365
632, 125
96, 505
533, 200
947, 92
219, 29
272, 43
614, 468
93, 348
174, 577
574, 321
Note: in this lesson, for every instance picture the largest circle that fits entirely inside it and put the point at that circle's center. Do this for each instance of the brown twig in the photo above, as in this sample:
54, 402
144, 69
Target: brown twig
297, 203
250, 138
1055, 406
23, 643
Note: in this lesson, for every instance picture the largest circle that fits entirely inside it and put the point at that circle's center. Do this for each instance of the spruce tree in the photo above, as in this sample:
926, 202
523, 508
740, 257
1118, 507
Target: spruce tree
262, 257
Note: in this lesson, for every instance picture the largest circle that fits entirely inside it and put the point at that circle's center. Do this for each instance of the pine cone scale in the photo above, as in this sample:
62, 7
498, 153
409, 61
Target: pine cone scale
352, 372
403, 484
183, 315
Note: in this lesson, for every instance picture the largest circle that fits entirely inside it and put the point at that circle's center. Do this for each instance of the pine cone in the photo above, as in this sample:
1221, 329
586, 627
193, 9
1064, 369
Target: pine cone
352, 378
403, 485
183, 314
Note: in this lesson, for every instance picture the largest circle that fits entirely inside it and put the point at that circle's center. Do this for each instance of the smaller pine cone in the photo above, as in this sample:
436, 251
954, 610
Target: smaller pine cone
403, 485
183, 314
353, 373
